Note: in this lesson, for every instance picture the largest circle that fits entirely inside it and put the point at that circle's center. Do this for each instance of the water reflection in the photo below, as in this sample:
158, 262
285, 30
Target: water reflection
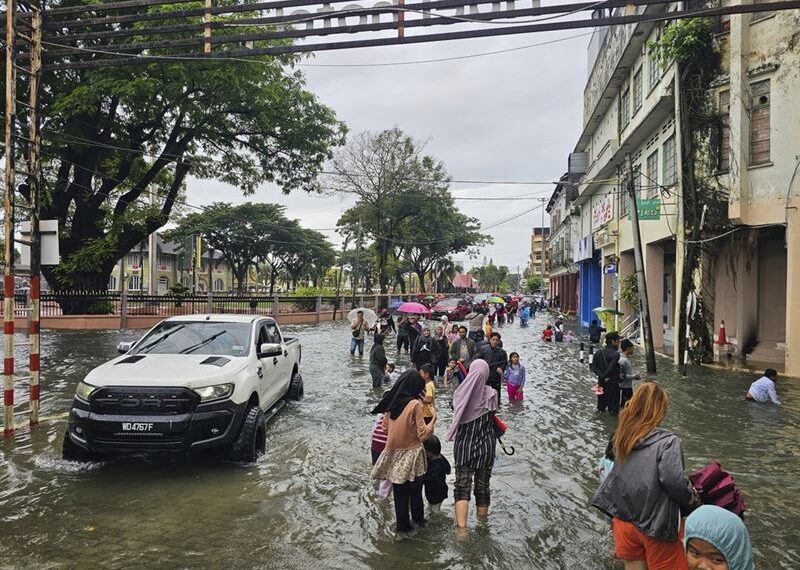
309, 502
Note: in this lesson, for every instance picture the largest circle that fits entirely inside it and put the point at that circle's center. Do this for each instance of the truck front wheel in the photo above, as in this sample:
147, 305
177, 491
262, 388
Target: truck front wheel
251, 441
296, 389
72, 452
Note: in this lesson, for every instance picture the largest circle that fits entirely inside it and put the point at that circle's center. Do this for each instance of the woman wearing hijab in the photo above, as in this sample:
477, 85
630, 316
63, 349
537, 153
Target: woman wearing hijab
422, 351
442, 354
403, 459
717, 539
474, 404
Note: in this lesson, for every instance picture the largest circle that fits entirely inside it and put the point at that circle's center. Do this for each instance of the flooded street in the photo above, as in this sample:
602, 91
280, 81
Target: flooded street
309, 502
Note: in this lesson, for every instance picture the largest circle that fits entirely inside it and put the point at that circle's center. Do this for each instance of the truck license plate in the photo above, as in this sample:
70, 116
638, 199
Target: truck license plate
137, 426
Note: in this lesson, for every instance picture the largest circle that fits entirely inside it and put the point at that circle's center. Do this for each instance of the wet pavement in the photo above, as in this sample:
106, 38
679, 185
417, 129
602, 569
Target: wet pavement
309, 501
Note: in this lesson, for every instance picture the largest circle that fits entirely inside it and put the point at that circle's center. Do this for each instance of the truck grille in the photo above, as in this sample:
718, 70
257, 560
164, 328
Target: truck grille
143, 401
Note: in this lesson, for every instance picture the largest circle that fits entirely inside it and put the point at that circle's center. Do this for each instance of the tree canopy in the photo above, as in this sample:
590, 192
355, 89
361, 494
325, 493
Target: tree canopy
248, 233
118, 144
404, 206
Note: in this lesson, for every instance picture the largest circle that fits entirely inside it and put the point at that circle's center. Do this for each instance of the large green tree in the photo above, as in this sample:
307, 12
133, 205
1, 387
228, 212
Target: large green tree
119, 143
390, 175
242, 234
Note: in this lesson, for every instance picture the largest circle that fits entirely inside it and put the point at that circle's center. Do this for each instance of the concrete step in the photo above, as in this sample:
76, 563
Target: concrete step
769, 352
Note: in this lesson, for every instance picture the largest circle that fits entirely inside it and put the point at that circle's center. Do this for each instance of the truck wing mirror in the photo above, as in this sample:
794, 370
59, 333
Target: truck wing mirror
125, 347
269, 349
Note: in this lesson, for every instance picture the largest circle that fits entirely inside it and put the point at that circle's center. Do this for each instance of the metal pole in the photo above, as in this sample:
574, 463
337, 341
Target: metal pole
355, 267
339, 280
8, 204
36, 238
152, 255
647, 331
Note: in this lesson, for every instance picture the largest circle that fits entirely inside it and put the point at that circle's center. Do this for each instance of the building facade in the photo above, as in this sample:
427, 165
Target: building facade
537, 263
749, 278
170, 270
562, 267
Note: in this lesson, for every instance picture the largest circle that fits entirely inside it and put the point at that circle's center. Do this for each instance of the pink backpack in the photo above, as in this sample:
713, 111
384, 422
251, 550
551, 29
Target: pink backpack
717, 487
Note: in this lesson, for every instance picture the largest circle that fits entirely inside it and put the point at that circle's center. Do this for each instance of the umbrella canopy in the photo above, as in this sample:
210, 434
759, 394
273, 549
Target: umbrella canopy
429, 297
369, 315
498, 300
609, 310
413, 309
395, 304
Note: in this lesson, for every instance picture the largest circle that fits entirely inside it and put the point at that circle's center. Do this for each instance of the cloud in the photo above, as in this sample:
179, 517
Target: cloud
511, 116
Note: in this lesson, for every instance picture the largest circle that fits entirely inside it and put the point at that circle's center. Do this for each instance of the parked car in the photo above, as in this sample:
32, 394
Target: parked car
194, 383
453, 309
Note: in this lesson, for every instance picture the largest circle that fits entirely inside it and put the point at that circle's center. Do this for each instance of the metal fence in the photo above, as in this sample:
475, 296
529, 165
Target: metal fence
128, 304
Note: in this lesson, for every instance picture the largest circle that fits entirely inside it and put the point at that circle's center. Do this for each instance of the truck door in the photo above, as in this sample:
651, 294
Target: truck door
282, 370
266, 366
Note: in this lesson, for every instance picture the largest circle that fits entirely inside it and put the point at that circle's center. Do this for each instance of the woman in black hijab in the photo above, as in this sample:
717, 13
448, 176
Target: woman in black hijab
403, 460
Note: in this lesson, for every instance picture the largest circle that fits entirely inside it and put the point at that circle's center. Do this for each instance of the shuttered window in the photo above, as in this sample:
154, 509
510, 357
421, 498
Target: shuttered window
670, 166
625, 106
652, 174
655, 67
725, 131
759, 122
637, 90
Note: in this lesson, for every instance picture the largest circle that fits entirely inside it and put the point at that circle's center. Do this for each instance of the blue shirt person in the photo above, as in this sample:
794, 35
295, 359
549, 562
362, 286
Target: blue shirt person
763, 389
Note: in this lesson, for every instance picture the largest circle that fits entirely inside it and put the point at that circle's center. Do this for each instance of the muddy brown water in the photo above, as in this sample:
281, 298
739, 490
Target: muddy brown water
309, 501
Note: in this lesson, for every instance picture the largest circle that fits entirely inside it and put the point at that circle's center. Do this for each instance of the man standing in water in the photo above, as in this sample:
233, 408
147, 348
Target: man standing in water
359, 328
463, 349
497, 359
763, 389
605, 364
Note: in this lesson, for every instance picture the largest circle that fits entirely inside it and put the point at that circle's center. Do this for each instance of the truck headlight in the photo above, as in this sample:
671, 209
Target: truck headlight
84, 390
218, 392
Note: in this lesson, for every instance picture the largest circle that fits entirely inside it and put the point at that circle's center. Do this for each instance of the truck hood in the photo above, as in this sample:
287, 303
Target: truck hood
183, 370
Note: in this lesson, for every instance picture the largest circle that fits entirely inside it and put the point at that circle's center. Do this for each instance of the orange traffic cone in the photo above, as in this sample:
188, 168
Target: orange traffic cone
722, 339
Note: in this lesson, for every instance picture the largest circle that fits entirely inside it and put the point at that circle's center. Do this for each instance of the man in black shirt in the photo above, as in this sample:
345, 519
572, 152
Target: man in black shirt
595, 330
497, 359
605, 365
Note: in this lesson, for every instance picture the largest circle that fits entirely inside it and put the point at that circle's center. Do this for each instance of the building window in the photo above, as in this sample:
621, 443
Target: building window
651, 173
670, 167
759, 122
165, 262
637, 90
112, 283
625, 106
134, 260
655, 68
724, 159
219, 285
134, 283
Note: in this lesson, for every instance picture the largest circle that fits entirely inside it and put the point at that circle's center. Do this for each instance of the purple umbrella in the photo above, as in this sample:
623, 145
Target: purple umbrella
413, 309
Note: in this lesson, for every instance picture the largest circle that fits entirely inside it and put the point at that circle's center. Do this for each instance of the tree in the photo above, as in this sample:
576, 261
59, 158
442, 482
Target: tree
445, 271
389, 174
115, 138
242, 233
491, 277
437, 231
534, 283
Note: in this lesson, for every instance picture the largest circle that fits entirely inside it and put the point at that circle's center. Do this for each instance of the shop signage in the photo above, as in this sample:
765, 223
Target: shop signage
603, 211
648, 209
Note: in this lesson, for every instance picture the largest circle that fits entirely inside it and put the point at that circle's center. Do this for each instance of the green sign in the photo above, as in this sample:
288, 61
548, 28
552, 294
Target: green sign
648, 209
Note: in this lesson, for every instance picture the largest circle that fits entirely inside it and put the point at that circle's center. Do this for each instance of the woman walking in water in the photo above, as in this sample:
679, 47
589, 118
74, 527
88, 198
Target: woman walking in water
403, 459
647, 489
474, 404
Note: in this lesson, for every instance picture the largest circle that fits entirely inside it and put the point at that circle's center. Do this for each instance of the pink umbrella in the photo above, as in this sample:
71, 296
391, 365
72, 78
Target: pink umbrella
413, 308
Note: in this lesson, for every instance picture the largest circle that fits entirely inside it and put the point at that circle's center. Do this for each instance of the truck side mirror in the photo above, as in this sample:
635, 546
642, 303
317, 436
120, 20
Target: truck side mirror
124, 347
269, 349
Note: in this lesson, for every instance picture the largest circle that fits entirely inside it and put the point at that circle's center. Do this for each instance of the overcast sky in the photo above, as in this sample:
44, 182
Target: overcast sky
507, 117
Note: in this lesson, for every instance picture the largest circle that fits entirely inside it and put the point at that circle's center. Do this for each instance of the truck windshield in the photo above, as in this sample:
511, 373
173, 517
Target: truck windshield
202, 337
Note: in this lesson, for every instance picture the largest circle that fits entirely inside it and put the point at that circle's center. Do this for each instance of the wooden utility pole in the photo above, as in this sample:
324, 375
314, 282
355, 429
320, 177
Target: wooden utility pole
34, 188
8, 204
644, 306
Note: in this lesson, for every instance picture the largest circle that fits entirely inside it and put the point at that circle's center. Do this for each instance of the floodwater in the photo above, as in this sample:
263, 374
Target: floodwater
310, 503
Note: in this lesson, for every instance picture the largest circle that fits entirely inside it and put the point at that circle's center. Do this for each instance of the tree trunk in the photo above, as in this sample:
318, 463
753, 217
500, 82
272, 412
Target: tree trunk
88, 282
421, 277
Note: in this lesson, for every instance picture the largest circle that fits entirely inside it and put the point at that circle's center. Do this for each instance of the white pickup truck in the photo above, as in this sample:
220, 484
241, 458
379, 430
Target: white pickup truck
194, 383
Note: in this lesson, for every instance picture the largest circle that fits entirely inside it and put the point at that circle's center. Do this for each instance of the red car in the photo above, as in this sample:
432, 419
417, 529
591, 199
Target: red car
453, 309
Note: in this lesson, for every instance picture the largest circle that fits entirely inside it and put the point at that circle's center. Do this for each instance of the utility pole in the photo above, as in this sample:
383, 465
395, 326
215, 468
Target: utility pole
8, 204
34, 187
355, 267
152, 255
644, 306
340, 276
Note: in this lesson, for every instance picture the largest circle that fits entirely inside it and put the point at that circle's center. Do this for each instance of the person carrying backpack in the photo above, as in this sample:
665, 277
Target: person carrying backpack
605, 365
